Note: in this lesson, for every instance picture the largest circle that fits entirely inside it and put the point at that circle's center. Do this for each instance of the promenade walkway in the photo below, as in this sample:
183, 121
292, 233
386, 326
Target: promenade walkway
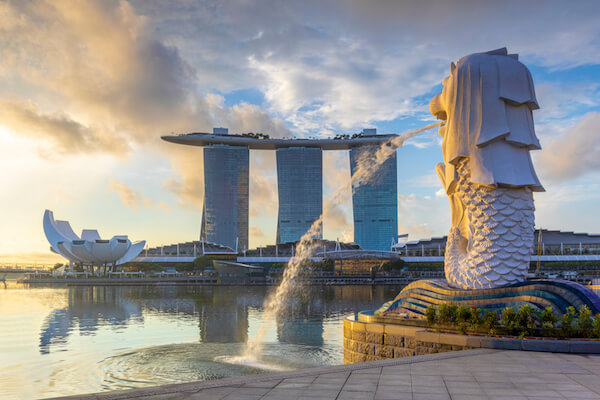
470, 374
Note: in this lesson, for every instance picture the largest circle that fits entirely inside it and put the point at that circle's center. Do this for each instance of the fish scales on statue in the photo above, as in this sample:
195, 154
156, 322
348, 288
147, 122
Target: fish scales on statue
486, 105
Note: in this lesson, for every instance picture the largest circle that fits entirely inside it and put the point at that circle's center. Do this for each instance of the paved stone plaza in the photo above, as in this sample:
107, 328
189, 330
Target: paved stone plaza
470, 374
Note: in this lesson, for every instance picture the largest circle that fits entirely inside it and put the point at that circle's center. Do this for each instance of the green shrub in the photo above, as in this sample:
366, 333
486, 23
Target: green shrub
548, 321
444, 314
509, 319
584, 322
596, 326
475, 317
526, 319
462, 314
431, 314
566, 322
490, 321
452, 310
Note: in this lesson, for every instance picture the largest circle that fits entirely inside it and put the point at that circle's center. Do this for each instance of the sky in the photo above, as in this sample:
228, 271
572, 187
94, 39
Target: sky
88, 87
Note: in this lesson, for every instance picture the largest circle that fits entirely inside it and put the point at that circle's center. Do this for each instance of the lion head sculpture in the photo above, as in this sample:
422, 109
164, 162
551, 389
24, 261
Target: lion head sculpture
487, 104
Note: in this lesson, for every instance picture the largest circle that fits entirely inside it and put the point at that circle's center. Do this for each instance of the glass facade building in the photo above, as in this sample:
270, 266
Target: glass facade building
225, 211
375, 203
300, 190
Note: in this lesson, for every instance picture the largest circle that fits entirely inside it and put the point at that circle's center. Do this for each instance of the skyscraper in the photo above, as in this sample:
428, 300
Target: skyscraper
300, 189
375, 203
300, 186
225, 211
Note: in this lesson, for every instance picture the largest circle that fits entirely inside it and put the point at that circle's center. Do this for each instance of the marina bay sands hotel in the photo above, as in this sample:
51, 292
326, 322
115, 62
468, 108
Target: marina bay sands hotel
299, 184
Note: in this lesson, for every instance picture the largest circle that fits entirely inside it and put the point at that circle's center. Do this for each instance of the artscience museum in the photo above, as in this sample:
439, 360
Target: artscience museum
89, 249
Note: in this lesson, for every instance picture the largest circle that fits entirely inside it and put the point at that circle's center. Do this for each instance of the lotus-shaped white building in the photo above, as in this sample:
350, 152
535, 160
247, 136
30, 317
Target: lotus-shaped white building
90, 248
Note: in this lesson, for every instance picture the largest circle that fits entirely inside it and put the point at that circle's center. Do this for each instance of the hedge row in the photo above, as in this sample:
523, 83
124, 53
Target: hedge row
526, 321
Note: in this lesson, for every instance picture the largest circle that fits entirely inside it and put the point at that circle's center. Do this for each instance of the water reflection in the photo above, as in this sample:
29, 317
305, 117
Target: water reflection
88, 339
87, 309
222, 312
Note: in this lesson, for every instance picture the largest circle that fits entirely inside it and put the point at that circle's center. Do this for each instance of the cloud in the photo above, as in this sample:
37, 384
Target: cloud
105, 82
163, 205
574, 153
257, 233
263, 196
327, 65
337, 200
59, 130
129, 197
423, 216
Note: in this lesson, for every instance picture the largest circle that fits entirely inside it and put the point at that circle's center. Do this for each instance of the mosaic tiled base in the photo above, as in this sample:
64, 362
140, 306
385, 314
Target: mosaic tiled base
416, 297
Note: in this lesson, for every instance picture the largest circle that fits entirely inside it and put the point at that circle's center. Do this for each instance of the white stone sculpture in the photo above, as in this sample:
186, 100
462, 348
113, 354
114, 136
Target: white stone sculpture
90, 249
486, 105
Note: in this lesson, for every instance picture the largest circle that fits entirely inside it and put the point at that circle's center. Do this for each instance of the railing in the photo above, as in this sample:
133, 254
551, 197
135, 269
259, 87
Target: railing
25, 267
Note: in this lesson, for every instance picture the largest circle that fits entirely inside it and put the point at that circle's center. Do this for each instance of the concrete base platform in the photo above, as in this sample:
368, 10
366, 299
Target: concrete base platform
470, 374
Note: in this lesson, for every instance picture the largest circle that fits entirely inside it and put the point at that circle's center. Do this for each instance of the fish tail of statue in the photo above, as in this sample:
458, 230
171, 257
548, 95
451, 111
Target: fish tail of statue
490, 242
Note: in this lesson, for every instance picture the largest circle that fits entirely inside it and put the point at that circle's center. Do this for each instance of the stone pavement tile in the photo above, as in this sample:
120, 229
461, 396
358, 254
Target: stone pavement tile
554, 378
325, 386
458, 378
431, 380
251, 391
329, 381
293, 385
367, 371
396, 369
579, 394
292, 392
459, 390
489, 377
528, 386
538, 393
334, 375
365, 387
300, 379
355, 396
316, 398
589, 381
263, 384
212, 393
240, 396
320, 393
429, 389
394, 388
279, 396
431, 396
496, 385
469, 397
165, 396
566, 386
394, 396
507, 397
370, 382
493, 392
545, 398
395, 380
524, 378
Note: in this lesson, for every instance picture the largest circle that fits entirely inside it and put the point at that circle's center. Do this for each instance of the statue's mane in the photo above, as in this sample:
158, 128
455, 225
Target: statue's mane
488, 100
492, 96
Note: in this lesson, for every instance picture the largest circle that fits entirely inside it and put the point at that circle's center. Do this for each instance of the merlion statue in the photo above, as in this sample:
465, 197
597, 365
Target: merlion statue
486, 105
